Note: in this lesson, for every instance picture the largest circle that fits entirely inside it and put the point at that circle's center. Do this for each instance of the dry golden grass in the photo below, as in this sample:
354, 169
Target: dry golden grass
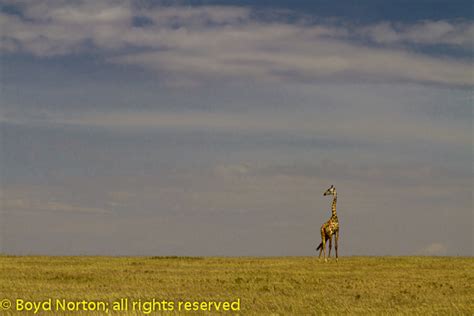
283, 286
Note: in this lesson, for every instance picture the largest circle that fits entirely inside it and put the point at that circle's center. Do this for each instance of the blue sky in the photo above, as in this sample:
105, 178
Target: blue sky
213, 128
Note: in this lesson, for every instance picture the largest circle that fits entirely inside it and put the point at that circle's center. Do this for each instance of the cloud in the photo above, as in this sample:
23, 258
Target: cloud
233, 170
389, 128
73, 12
200, 16
28, 205
188, 45
460, 33
326, 60
434, 249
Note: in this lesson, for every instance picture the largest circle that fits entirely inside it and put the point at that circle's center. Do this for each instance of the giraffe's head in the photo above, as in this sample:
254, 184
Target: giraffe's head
330, 191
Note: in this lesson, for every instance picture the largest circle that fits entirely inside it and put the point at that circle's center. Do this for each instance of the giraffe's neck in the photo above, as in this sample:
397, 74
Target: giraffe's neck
334, 201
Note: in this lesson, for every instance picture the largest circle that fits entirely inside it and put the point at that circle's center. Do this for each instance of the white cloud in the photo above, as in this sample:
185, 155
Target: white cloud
434, 249
325, 59
425, 32
191, 44
84, 11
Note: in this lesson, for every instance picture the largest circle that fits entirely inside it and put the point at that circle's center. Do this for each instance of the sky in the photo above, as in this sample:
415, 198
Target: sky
213, 128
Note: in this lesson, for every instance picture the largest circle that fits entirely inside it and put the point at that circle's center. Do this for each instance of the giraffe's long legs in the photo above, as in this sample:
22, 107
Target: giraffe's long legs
330, 246
336, 239
323, 240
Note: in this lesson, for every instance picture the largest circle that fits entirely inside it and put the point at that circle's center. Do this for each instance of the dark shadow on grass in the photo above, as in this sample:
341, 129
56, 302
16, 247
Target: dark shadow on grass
175, 258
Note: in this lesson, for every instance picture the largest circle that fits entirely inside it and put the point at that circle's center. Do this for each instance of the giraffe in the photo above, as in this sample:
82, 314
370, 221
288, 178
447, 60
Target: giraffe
330, 228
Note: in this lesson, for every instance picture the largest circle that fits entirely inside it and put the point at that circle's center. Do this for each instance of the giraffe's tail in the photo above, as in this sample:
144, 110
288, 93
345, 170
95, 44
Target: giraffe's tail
320, 246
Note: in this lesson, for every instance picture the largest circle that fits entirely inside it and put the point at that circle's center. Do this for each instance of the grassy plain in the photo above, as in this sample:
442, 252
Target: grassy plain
265, 286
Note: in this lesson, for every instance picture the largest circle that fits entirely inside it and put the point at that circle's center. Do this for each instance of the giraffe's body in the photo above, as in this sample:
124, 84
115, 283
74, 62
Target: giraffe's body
330, 228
